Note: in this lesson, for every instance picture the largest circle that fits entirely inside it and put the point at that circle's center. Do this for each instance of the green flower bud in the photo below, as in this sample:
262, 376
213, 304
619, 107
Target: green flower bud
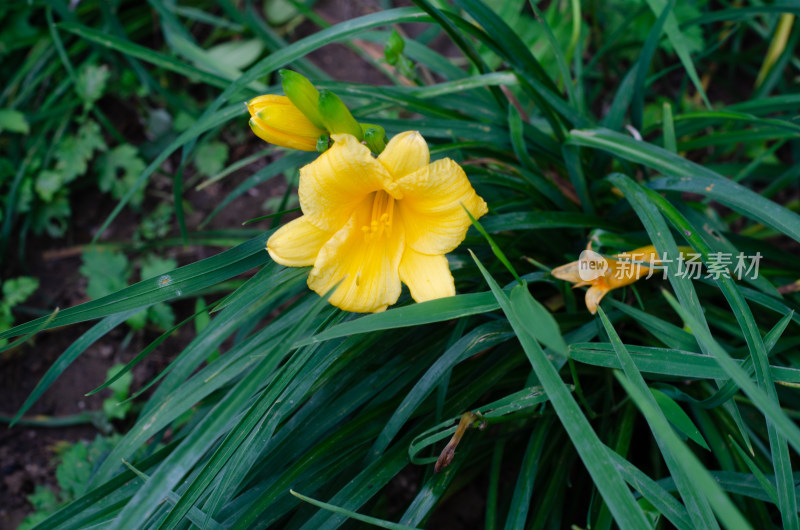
303, 95
336, 117
394, 47
375, 136
323, 142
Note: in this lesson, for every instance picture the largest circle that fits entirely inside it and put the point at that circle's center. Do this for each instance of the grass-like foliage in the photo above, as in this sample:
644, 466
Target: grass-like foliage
623, 123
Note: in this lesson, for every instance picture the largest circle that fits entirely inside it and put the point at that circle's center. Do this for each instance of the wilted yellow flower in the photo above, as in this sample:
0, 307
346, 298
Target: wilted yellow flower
277, 121
605, 274
371, 223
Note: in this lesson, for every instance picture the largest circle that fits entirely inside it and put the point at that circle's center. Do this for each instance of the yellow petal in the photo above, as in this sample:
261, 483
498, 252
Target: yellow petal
288, 119
427, 277
276, 120
276, 137
259, 103
338, 180
594, 295
405, 153
431, 208
367, 266
297, 243
568, 272
627, 270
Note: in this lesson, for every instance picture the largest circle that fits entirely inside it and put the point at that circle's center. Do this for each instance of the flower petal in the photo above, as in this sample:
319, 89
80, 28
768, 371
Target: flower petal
297, 243
338, 180
273, 136
288, 119
568, 272
594, 295
427, 277
405, 153
365, 268
431, 211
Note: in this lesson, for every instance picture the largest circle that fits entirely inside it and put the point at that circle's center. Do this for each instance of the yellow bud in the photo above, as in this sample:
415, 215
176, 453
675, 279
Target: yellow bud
276, 120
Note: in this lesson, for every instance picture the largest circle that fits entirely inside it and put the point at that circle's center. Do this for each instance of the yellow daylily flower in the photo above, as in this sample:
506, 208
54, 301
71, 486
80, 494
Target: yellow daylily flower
370, 223
605, 274
276, 120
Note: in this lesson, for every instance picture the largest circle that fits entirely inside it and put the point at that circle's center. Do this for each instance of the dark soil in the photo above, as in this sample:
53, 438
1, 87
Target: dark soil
26, 452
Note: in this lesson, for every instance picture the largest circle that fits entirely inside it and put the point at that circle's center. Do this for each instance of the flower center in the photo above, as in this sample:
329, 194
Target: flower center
381, 218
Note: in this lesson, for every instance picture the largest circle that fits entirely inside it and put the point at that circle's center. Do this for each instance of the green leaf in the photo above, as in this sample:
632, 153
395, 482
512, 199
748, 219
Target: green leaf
428, 312
609, 483
119, 169
51, 217
676, 415
353, 515
394, 47
48, 183
685, 175
132, 49
237, 54
43, 499
17, 290
697, 505
211, 158
723, 507
116, 407
480, 338
70, 354
106, 270
680, 44
153, 266
182, 281
74, 470
279, 12
122, 385
91, 83
74, 152
13, 121
537, 319
520, 502
161, 315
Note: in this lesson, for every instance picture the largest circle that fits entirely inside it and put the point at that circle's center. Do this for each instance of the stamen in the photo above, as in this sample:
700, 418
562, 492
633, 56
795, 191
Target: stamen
381, 216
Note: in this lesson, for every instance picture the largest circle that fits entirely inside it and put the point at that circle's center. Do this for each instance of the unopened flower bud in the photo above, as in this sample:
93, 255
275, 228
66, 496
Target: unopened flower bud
276, 120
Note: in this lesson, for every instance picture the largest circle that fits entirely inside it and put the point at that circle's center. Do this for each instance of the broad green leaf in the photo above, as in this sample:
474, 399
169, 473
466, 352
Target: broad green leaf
75, 151
211, 157
119, 169
17, 290
91, 83
13, 121
106, 271
237, 54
